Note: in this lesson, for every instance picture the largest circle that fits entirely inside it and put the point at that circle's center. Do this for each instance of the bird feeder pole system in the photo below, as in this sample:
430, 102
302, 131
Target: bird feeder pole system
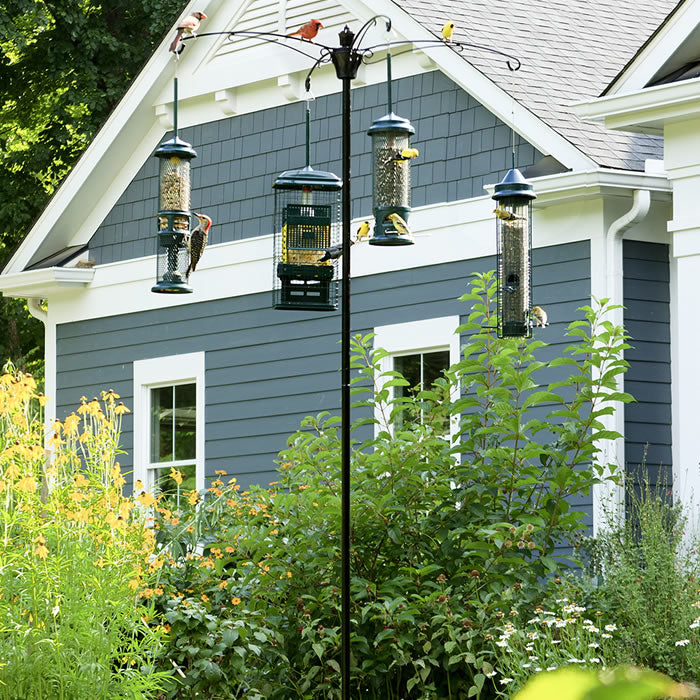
391, 178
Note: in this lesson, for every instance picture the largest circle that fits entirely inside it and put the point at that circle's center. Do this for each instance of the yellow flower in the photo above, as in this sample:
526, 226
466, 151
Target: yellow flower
43, 400
236, 601
80, 480
176, 475
192, 497
41, 550
26, 485
71, 424
138, 485
55, 442
221, 472
121, 409
289, 574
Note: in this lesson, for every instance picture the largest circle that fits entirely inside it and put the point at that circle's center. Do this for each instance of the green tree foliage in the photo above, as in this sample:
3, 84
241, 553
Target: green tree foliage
64, 66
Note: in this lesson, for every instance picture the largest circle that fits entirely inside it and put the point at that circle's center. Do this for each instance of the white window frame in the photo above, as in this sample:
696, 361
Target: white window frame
411, 338
159, 372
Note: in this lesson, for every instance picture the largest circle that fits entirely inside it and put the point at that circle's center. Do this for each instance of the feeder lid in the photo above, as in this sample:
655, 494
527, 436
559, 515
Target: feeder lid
175, 147
391, 122
513, 185
307, 177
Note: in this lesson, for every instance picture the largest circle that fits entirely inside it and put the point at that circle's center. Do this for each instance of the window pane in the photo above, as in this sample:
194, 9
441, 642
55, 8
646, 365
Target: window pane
433, 364
185, 421
409, 366
164, 484
162, 424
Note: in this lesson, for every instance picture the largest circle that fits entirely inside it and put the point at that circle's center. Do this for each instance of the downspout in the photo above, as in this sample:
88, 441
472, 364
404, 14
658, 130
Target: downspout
34, 306
611, 499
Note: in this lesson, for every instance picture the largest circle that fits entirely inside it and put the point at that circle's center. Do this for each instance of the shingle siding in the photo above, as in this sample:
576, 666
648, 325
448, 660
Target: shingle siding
239, 158
647, 320
267, 369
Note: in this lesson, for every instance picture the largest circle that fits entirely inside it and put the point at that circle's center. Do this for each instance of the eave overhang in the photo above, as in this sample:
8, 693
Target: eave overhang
45, 283
644, 111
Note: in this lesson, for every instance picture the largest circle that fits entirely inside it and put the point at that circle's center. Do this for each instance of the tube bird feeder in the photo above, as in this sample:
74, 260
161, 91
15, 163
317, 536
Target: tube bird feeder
514, 195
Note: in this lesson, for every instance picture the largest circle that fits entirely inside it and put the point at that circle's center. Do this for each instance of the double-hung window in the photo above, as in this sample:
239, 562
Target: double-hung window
169, 422
420, 350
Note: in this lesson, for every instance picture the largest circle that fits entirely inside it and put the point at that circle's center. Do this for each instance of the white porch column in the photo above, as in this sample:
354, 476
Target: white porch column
682, 161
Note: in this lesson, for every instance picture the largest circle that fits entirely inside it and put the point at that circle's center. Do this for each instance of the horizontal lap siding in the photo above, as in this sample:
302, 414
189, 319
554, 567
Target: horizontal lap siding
462, 147
266, 370
648, 420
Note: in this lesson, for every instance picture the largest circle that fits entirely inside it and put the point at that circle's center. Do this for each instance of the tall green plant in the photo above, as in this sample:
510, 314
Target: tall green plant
447, 536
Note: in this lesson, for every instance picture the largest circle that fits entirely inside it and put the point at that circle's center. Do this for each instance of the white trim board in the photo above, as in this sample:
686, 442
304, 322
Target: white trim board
162, 371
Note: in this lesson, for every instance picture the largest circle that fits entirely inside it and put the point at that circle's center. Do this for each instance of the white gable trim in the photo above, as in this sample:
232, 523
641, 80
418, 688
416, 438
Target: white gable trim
659, 50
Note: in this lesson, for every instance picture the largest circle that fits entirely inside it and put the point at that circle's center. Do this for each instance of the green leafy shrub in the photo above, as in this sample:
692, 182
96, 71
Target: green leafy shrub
647, 575
445, 536
72, 553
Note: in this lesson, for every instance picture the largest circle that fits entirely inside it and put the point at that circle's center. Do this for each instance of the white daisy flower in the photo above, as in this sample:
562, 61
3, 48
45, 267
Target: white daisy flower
505, 681
682, 642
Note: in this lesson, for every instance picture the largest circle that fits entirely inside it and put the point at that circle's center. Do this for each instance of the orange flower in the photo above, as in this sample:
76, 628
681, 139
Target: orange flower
175, 475
236, 601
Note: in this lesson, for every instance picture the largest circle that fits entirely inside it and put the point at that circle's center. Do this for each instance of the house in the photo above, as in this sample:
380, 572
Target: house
218, 379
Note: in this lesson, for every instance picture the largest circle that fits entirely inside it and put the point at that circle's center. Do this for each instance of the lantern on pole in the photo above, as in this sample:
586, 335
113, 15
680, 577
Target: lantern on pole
307, 243
172, 254
391, 175
514, 195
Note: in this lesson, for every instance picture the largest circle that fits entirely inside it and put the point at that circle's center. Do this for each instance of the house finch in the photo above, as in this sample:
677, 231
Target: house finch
189, 25
400, 225
540, 316
309, 30
447, 30
197, 242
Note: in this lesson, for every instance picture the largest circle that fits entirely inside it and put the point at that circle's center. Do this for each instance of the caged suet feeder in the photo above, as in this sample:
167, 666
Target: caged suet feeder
391, 173
172, 254
307, 213
514, 195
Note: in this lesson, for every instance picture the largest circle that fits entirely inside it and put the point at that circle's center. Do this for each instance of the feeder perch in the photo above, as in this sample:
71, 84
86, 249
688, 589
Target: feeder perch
391, 178
514, 195
307, 215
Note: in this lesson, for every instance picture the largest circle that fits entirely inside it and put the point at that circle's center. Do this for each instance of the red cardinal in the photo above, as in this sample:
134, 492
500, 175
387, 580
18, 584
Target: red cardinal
189, 25
309, 30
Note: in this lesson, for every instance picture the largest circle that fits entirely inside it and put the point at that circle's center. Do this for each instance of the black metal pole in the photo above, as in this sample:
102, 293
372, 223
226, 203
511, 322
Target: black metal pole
346, 61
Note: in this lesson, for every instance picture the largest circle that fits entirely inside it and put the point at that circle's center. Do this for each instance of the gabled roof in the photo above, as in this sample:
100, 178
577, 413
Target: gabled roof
570, 49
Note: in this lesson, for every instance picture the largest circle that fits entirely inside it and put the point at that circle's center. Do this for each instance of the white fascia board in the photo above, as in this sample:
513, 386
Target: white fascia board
46, 282
646, 110
445, 232
659, 50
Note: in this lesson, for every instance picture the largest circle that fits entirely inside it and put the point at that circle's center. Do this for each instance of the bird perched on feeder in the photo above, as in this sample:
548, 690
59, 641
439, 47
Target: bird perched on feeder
540, 316
363, 232
504, 215
404, 155
309, 30
189, 25
447, 30
400, 226
197, 242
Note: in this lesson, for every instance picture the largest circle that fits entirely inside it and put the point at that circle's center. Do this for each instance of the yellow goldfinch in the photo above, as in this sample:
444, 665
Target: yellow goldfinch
505, 215
447, 30
363, 232
405, 154
399, 224
540, 316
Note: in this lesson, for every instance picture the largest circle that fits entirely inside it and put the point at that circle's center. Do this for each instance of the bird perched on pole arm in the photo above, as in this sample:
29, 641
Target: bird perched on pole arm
504, 215
540, 316
309, 30
400, 225
197, 242
189, 25
447, 30
334, 252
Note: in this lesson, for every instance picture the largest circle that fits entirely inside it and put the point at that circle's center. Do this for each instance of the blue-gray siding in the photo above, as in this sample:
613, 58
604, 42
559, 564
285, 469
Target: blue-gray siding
648, 420
267, 369
462, 147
